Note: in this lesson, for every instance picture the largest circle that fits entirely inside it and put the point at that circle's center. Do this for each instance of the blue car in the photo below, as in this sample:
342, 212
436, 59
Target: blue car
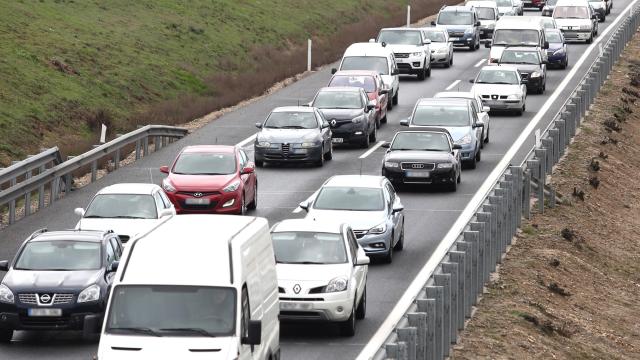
557, 52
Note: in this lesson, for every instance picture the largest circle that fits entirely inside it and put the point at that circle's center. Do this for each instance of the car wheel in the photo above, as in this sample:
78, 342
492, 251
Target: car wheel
361, 311
486, 139
259, 163
453, 187
374, 135
389, 104
348, 327
329, 154
389, 257
6, 335
604, 17
254, 203
472, 47
243, 206
365, 142
478, 155
320, 161
590, 39
395, 98
448, 63
459, 179
422, 74
429, 71
400, 244
473, 163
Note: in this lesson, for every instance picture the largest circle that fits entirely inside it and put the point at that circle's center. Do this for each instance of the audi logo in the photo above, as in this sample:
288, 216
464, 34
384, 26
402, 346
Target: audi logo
417, 166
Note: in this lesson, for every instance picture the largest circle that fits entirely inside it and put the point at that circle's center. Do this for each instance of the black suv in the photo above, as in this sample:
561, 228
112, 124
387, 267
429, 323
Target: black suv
59, 280
531, 65
422, 156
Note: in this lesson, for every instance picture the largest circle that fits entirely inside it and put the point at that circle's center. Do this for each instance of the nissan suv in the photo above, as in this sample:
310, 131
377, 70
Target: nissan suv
462, 24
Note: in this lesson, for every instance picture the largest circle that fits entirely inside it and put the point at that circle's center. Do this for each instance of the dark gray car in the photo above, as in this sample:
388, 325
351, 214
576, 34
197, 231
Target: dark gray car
293, 134
530, 63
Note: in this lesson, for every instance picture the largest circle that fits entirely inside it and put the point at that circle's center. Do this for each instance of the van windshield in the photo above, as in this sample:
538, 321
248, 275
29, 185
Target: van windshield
504, 3
520, 37
172, 310
455, 18
302, 247
485, 13
375, 63
571, 12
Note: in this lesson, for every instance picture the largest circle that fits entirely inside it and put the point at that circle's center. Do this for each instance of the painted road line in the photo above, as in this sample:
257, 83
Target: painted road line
453, 84
373, 148
480, 62
246, 141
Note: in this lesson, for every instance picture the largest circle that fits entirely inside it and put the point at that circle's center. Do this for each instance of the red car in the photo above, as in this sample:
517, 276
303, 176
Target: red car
372, 84
211, 179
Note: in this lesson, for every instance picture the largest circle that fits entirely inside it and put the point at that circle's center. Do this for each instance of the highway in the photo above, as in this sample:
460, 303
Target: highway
429, 214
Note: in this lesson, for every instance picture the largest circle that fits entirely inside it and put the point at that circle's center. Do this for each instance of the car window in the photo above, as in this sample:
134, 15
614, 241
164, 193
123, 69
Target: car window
353, 244
365, 98
60, 255
571, 12
455, 18
349, 198
554, 37
392, 193
474, 107
400, 37
159, 203
116, 247
435, 36
508, 77
205, 163
516, 37
520, 57
243, 158
111, 254
420, 140
486, 13
307, 247
165, 200
246, 314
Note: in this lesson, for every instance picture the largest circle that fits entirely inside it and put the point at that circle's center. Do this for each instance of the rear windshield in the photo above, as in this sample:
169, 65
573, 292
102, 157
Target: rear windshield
504, 3
441, 115
455, 18
553, 37
375, 63
365, 82
435, 36
515, 37
571, 12
485, 13
520, 57
338, 100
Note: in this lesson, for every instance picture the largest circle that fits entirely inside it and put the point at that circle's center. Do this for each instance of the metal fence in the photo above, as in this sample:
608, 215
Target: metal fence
430, 315
36, 182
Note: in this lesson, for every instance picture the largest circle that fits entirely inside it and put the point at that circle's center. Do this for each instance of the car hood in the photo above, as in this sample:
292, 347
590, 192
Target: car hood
503, 9
340, 114
494, 89
402, 48
151, 347
572, 22
128, 227
200, 182
439, 45
454, 27
387, 80
555, 46
525, 68
27, 280
288, 135
359, 220
311, 272
431, 156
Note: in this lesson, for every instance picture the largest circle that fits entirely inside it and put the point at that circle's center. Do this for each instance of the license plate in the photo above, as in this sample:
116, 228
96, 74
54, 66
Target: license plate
454, 38
295, 306
44, 312
337, 140
196, 201
401, 60
418, 174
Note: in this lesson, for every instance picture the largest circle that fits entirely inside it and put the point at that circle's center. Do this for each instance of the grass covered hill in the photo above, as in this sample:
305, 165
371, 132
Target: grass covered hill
68, 65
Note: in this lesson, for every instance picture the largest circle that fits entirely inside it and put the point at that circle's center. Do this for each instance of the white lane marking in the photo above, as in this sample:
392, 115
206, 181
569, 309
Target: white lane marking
246, 141
373, 148
480, 62
453, 84
416, 285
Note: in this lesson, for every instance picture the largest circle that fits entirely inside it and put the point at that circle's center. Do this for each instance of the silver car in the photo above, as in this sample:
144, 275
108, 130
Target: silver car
369, 204
441, 47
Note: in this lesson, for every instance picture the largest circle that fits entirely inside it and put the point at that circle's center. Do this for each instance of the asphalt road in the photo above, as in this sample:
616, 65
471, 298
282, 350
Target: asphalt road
429, 214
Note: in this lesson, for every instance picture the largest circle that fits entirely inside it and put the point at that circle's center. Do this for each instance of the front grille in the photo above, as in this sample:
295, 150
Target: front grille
456, 33
285, 149
317, 290
360, 233
192, 193
404, 66
300, 299
58, 299
401, 55
417, 166
301, 314
62, 299
44, 321
186, 206
27, 298
495, 97
524, 75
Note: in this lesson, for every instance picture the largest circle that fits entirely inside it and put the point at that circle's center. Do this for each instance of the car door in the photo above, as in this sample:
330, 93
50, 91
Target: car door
395, 85
484, 118
247, 179
359, 273
476, 120
325, 129
381, 98
371, 114
396, 217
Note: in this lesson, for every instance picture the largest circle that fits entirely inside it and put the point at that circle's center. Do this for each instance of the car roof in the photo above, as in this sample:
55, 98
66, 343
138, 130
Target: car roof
356, 73
456, 94
341, 89
365, 181
308, 225
435, 29
73, 235
367, 49
130, 188
293, 109
517, 23
442, 101
500, 67
401, 28
461, 8
482, 3
208, 148
572, 3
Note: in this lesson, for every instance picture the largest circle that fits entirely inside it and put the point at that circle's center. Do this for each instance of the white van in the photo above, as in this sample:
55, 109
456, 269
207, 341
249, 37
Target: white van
488, 15
376, 57
576, 19
516, 31
195, 287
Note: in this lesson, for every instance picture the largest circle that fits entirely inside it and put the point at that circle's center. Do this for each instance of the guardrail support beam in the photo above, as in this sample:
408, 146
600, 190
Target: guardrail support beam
456, 311
418, 320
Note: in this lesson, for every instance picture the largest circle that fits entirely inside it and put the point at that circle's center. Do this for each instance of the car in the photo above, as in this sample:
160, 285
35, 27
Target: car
501, 89
548, 22
322, 273
127, 208
217, 300
58, 280
424, 157
410, 48
519, 7
530, 64
369, 204
538, 4
507, 8
349, 112
376, 57
293, 134
462, 24
488, 14
483, 111
372, 84
557, 54
516, 31
458, 116
577, 20
548, 8
441, 46
211, 179
600, 7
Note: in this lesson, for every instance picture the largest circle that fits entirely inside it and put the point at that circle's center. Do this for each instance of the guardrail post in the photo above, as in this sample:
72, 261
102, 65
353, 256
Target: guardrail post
157, 143
547, 144
503, 224
583, 104
397, 351
116, 159
526, 196
478, 229
138, 149
55, 187
570, 117
561, 125
12, 203
145, 146
94, 171
165, 141
456, 312
27, 195
436, 292
555, 140
518, 173
485, 248
444, 280
428, 306
409, 336
419, 321
469, 277
509, 186
542, 177
459, 257
497, 202
41, 202
492, 209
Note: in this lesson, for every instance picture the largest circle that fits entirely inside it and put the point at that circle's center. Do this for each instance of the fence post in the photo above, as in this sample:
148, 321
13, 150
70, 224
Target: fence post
492, 209
484, 218
456, 312
428, 306
308, 54
459, 257
419, 321
436, 292
41, 199
469, 277
444, 281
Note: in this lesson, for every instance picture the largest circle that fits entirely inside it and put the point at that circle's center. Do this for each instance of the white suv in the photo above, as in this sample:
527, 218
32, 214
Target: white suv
322, 273
410, 48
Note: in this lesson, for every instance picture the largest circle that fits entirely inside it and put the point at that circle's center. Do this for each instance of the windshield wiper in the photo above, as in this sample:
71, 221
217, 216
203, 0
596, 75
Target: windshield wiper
293, 127
139, 330
502, 83
127, 217
205, 173
301, 262
273, 127
94, 217
192, 330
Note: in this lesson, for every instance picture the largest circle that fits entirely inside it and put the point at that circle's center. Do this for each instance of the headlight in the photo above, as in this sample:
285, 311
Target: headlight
263, 144
419, 53
585, 27
445, 166
356, 120
442, 51
378, 229
513, 97
337, 284
535, 74
465, 140
6, 296
308, 145
232, 187
559, 51
166, 185
91, 293
468, 31
391, 164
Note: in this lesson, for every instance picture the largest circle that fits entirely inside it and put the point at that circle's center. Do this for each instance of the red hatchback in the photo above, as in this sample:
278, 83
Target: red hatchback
211, 179
372, 84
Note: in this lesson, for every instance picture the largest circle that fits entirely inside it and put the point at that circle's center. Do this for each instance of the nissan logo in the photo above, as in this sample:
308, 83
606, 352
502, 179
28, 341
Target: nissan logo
198, 194
494, 96
296, 289
45, 298
417, 166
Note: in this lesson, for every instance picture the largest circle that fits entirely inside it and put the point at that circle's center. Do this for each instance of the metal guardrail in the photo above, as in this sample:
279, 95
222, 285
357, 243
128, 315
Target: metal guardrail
52, 183
427, 319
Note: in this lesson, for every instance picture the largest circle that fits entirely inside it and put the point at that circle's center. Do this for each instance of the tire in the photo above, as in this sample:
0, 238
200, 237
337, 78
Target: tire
448, 63
384, 119
453, 187
361, 310
472, 47
429, 71
486, 140
400, 244
254, 203
565, 64
603, 18
478, 156
348, 327
365, 142
590, 39
473, 163
374, 135
320, 161
5, 336
388, 259
378, 123
243, 206
422, 74
259, 163
478, 44
329, 154
482, 140
459, 179
395, 98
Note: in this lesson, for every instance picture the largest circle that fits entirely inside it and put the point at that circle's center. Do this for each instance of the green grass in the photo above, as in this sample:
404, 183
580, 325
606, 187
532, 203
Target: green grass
129, 55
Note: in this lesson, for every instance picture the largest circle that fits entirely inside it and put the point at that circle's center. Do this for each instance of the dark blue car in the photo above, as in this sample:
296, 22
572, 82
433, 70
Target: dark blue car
557, 52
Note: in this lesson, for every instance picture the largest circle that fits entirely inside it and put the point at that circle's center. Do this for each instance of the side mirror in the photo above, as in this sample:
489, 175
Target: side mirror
404, 122
113, 267
546, 45
164, 169
334, 70
372, 40
325, 125
304, 205
472, 81
477, 125
79, 211
433, 23
545, 62
427, 42
487, 44
259, 125
370, 106
362, 258
397, 207
486, 109
254, 333
386, 145
395, 72
457, 147
478, 23
4, 265
248, 169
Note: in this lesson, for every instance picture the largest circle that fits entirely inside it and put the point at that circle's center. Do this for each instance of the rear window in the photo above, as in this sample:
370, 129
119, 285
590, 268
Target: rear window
455, 18
485, 13
365, 82
375, 63
516, 37
441, 115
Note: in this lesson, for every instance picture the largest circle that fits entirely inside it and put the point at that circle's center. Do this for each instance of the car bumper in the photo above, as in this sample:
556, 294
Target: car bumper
329, 307
14, 317
557, 59
410, 65
439, 58
533, 4
534, 83
498, 105
601, 12
436, 176
486, 33
576, 35
293, 155
468, 152
216, 202
465, 40
348, 135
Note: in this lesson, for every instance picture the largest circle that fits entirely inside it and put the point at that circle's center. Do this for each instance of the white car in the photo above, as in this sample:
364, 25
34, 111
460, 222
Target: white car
507, 7
488, 14
410, 48
441, 46
481, 110
501, 89
322, 273
576, 19
127, 209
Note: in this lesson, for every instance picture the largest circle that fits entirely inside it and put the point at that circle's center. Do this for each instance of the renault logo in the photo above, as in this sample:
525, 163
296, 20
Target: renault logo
494, 96
198, 194
296, 289
333, 122
417, 166
45, 298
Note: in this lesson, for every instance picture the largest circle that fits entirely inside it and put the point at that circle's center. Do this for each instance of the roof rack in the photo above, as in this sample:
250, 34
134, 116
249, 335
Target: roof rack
38, 232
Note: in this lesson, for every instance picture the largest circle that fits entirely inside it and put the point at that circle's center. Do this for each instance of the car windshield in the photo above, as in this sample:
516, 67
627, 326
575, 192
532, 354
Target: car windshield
291, 120
196, 311
455, 18
349, 198
571, 12
435, 36
60, 255
515, 37
507, 77
553, 37
302, 247
400, 37
551, 2
504, 3
338, 100
202, 163
365, 82
123, 206
430, 141
520, 57
375, 63
548, 23
485, 13
441, 115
